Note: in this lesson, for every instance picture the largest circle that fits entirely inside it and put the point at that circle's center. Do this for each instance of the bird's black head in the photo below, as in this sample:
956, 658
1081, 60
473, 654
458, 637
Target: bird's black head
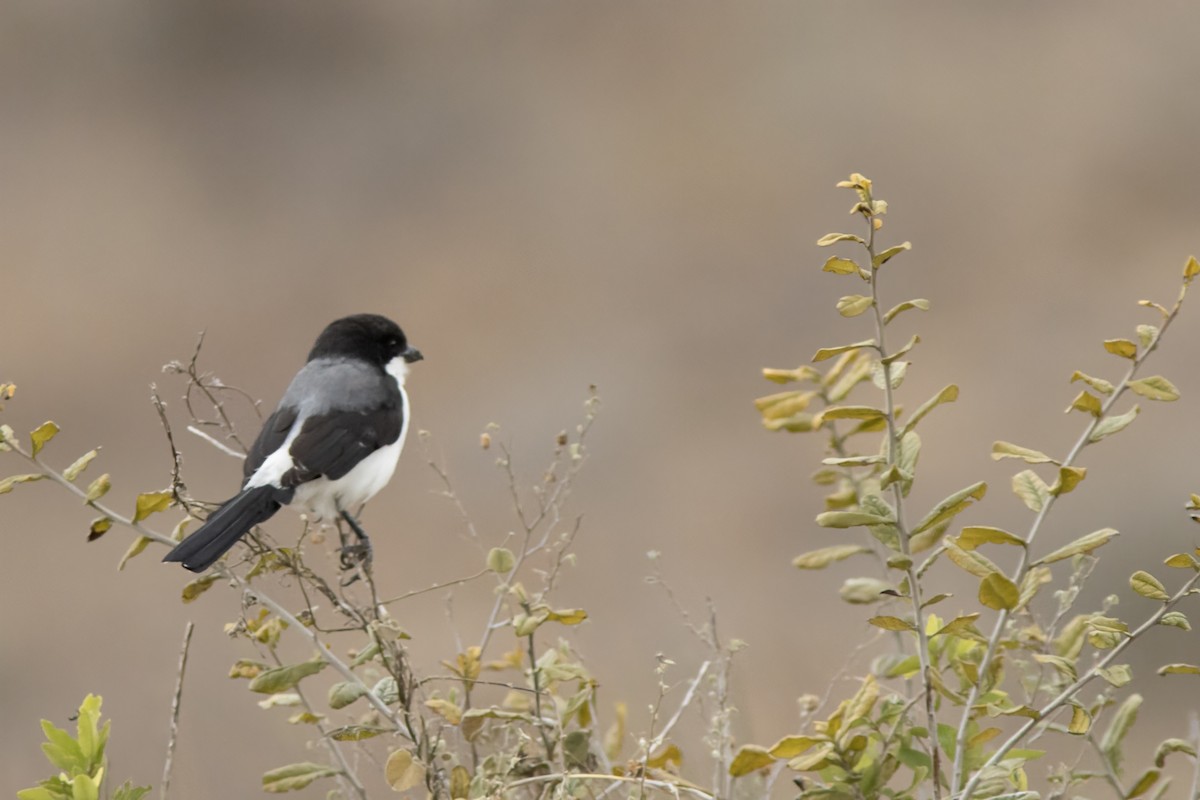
367, 336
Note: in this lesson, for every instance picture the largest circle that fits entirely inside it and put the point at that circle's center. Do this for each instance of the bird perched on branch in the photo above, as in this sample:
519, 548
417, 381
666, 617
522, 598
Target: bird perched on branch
332, 443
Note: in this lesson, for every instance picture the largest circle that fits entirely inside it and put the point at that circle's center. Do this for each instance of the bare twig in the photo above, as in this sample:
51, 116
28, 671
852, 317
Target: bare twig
165, 790
224, 448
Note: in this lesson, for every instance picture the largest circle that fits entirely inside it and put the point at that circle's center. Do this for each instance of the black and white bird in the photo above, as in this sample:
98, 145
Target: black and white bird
332, 443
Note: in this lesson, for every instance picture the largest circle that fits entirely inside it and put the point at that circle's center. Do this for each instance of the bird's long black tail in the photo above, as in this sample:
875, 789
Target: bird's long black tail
225, 526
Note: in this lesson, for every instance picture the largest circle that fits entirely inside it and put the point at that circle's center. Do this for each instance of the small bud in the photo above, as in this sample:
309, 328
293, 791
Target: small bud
485, 440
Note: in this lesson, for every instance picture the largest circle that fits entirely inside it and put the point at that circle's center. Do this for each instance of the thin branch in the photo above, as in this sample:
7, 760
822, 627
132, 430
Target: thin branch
224, 448
1023, 563
687, 699
1110, 774
165, 790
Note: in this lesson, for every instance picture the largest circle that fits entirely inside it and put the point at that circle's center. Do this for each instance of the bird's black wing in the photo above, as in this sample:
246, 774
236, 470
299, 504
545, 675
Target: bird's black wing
331, 444
272, 436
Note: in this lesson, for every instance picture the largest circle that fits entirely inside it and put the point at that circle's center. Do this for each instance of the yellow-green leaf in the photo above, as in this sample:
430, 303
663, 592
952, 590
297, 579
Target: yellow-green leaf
750, 758
1117, 675
355, 733
7, 484
854, 304
445, 709
849, 519
909, 345
948, 394
1032, 490
998, 592
283, 678
1183, 561
970, 560
99, 527
80, 464
1190, 269
1087, 402
819, 559
1068, 479
1143, 784
197, 587
887, 255
1169, 746
1099, 384
139, 544
42, 434
98, 488
789, 375
834, 238
891, 624
962, 627
974, 535
1081, 721
1121, 347
830, 352
841, 266
1156, 306
1009, 450
852, 412
500, 560
863, 591
343, 693
951, 506
1175, 619
247, 668
1156, 387
919, 303
1110, 425
567, 616
294, 776
1147, 585
792, 746
1147, 334
1179, 669
1063, 666
1084, 544
151, 502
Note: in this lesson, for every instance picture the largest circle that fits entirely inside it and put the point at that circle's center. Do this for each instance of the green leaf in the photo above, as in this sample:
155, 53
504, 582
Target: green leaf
1009, 450
1183, 561
951, 506
7, 484
282, 678
1081, 721
841, 266
887, 255
1143, 784
919, 303
819, 559
1110, 425
750, 758
854, 304
834, 238
294, 776
1084, 544
963, 627
80, 464
1169, 746
998, 592
501, 560
42, 434
971, 561
973, 536
1179, 669
356, 733
1117, 675
948, 394
1099, 384
1175, 619
1032, 490
1118, 729
849, 519
343, 693
892, 624
1156, 387
127, 791
830, 352
98, 488
151, 502
1147, 585
1121, 347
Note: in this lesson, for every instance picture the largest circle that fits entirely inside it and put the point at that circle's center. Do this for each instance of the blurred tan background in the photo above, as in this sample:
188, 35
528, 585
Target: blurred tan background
548, 195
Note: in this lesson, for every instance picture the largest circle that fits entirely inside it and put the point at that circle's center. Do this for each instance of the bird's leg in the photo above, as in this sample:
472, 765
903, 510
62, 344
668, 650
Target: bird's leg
354, 554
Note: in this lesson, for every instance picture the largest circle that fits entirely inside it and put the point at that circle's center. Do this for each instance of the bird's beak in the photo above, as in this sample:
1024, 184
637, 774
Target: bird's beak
412, 354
